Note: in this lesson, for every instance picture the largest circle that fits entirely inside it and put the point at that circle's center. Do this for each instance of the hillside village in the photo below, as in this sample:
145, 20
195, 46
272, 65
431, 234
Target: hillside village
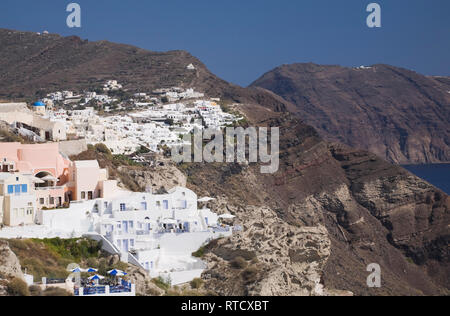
44, 194
123, 126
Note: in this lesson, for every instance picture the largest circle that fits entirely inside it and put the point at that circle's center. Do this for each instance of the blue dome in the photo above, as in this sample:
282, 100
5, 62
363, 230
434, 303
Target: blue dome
39, 103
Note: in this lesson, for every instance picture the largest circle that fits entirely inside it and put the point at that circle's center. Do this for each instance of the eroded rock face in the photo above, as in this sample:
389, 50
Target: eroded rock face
161, 178
9, 264
328, 213
280, 259
143, 282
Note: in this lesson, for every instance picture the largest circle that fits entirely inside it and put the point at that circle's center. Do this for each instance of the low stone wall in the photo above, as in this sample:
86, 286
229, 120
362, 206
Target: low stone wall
72, 147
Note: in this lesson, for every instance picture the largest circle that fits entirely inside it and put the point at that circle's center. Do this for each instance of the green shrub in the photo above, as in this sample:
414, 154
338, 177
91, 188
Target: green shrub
18, 287
161, 283
55, 291
102, 148
238, 263
197, 283
35, 290
152, 292
199, 253
250, 274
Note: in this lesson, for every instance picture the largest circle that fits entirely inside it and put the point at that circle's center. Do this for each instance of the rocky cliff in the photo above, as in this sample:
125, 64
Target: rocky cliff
330, 211
398, 114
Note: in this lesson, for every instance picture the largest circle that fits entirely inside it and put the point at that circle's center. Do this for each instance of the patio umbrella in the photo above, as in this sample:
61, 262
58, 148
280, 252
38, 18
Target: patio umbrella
77, 270
227, 216
96, 277
91, 270
115, 272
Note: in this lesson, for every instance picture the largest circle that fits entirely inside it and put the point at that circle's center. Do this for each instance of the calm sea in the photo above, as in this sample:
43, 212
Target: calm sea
437, 175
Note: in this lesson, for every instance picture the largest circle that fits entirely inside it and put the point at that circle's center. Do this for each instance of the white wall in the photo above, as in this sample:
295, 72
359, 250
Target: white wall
69, 220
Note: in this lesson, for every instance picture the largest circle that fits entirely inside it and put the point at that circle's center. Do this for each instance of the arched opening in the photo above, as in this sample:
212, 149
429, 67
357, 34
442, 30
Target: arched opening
47, 180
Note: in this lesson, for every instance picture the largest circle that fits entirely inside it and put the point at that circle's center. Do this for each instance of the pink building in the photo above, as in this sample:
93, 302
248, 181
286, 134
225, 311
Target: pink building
88, 181
57, 179
43, 161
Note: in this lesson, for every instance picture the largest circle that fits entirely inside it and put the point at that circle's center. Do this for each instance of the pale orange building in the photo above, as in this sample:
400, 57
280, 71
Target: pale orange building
57, 180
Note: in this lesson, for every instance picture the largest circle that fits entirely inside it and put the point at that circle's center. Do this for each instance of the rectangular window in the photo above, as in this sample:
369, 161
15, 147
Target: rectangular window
17, 189
52, 200
24, 188
144, 206
42, 201
132, 242
123, 207
166, 204
10, 189
83, 195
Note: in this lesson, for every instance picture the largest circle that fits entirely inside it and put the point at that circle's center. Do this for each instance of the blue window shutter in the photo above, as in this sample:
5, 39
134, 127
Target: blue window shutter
17, 188
10, 189
24, 188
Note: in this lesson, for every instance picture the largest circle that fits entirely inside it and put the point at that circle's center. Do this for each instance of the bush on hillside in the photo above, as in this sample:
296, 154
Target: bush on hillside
238, 263
18, 287
196, 283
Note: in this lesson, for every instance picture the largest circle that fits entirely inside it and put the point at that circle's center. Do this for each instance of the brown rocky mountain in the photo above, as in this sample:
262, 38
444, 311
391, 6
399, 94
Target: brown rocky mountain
398, 114
32, 65
314, 226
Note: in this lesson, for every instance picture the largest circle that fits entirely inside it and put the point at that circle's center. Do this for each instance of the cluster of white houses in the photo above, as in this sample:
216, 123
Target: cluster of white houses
157, 126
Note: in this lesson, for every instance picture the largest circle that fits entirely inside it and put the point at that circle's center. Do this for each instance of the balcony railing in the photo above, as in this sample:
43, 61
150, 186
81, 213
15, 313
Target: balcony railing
48, 188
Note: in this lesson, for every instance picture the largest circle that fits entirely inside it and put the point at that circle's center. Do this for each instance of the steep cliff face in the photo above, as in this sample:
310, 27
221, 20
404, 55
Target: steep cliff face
398, 114
330, 211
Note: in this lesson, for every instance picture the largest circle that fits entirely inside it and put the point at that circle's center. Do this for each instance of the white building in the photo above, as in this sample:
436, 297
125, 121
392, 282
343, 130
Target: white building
156, 232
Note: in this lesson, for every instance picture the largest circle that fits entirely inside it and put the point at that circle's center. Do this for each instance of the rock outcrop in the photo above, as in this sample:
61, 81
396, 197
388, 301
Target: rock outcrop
280, 259
9, 263
163, 177
315, 226
143, 282
10, 267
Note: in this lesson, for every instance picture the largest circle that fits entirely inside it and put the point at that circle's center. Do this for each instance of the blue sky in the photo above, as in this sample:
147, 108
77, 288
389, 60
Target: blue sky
239, 40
